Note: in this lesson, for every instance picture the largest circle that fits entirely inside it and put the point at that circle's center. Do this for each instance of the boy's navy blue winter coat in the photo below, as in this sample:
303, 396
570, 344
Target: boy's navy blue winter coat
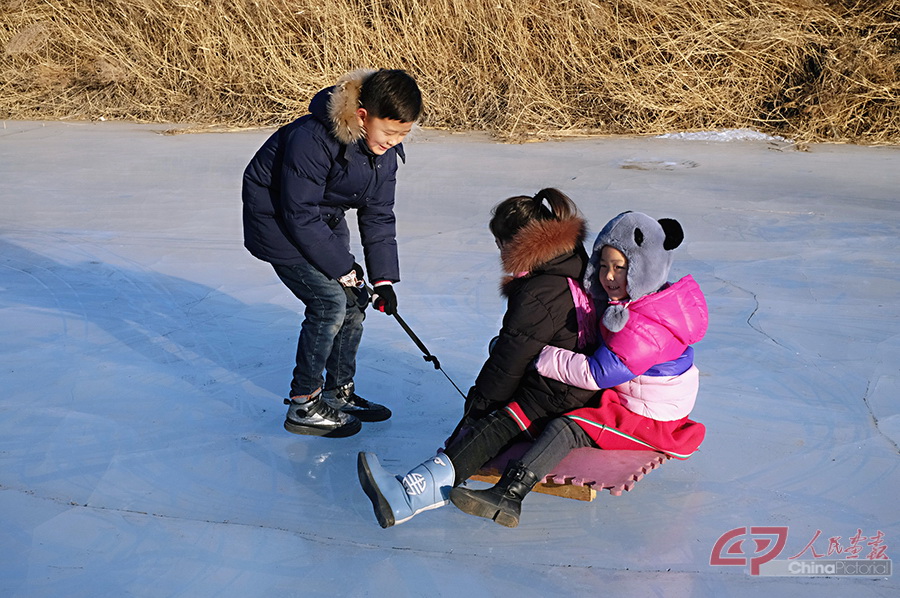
300, 183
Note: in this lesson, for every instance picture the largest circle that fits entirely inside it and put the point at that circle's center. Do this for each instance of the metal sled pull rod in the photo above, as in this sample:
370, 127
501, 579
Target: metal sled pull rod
419, 343
369, 293
424, 349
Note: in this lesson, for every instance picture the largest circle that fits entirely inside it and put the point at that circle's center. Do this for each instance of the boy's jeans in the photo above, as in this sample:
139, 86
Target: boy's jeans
330, 333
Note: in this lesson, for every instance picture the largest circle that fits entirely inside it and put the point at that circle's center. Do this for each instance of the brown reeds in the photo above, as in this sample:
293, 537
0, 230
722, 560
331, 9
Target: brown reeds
811, 70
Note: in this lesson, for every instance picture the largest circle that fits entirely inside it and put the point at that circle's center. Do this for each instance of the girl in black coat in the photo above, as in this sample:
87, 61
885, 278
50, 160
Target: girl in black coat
541, 248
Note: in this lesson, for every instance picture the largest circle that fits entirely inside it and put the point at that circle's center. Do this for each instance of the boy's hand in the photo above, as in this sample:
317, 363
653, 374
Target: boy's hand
385, 298
353, 278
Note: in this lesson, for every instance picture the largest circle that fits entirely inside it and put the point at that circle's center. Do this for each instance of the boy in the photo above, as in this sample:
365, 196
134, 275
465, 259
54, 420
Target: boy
296, 189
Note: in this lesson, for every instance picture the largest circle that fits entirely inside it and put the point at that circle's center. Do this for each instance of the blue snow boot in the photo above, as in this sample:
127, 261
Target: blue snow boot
397, 499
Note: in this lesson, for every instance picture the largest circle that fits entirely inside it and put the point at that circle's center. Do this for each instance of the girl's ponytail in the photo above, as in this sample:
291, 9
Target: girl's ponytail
558, 205
512, 214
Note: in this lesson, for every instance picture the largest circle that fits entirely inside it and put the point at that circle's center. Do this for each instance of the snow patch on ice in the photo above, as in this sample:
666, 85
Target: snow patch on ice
725, 135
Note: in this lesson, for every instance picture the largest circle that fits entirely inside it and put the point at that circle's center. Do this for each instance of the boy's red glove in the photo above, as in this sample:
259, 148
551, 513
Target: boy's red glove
385, 298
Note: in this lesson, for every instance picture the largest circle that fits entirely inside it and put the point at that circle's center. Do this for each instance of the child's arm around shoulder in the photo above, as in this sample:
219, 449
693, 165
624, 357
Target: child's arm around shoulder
603, 369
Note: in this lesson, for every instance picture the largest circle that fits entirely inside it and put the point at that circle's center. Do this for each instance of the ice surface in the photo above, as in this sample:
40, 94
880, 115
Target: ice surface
145, 354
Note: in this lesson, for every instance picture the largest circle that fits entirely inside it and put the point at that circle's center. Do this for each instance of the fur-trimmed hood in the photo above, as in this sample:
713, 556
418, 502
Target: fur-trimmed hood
339, 111
537, 243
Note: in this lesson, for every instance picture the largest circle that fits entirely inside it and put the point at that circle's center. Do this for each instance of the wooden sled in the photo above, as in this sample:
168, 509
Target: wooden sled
583, 472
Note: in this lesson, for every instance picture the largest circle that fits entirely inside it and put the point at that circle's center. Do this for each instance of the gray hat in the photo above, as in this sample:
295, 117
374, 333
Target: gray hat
648, 245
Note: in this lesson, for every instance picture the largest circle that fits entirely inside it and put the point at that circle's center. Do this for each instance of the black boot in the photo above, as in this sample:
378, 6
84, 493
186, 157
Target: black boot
503, 502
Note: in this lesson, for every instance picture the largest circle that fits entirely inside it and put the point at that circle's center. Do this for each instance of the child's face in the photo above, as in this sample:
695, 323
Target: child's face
614, 273
382, 133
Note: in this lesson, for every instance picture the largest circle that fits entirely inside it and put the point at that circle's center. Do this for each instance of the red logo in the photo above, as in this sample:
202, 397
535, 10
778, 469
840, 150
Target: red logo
767, 541
758, 545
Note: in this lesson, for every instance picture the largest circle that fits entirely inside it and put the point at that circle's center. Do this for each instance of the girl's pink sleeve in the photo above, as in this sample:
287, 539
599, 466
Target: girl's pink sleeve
566, 366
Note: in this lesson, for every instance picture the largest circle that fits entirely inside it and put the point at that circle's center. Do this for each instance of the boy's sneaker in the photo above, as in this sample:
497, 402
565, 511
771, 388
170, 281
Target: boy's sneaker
311, 415
345, 400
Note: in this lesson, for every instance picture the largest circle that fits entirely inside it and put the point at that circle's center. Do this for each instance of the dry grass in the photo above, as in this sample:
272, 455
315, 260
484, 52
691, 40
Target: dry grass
809, 69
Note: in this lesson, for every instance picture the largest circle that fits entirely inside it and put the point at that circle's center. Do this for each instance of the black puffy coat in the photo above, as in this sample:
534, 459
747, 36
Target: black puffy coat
540, 311
304, 178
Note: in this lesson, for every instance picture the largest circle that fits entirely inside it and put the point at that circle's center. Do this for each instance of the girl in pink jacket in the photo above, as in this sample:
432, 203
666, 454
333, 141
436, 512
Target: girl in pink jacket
645, 363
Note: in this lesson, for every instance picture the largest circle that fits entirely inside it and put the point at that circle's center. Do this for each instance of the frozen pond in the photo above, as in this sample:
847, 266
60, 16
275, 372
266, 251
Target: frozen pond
145, 355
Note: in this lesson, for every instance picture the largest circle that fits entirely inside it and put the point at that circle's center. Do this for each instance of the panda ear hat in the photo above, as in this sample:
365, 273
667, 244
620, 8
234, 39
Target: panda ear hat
648, 245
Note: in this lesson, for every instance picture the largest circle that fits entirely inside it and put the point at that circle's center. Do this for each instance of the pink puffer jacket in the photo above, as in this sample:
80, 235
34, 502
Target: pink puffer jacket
660, 326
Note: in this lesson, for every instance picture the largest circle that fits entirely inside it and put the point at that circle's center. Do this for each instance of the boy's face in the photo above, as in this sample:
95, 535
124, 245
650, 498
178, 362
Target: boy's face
382, 133
614, 273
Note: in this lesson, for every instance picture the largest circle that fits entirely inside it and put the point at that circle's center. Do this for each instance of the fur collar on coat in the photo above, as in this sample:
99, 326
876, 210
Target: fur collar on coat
342, 106
537, 243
